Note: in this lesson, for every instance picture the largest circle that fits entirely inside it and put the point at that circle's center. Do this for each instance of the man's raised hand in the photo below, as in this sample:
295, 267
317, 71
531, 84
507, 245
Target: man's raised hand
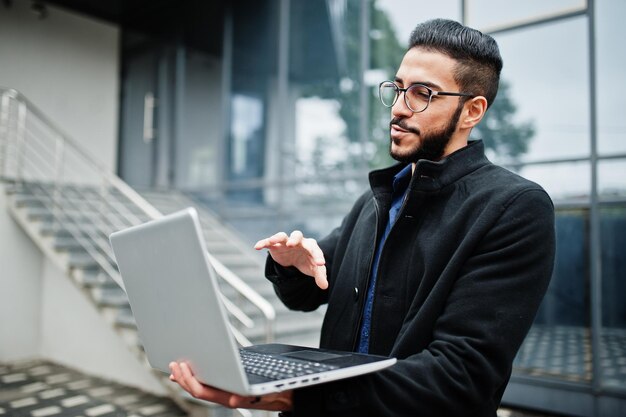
297, 251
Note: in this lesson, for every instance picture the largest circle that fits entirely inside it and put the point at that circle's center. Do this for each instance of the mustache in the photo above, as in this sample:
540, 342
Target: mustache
401, 123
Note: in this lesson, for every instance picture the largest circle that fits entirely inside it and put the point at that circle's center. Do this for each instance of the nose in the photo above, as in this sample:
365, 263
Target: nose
400, 109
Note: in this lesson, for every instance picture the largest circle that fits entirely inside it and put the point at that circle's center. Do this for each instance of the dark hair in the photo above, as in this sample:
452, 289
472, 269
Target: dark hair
477, 54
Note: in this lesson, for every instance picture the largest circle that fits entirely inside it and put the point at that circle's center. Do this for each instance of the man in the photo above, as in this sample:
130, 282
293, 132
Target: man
442, 264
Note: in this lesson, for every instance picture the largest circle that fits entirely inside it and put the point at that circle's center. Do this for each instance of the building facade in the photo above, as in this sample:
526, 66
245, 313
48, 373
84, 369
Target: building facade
267, 112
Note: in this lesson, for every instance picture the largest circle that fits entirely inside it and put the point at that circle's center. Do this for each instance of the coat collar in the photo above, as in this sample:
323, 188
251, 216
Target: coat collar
433, 176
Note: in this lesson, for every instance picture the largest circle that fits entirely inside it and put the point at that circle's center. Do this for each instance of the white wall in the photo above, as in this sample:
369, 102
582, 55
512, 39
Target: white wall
68, 66
20, 290
75, 334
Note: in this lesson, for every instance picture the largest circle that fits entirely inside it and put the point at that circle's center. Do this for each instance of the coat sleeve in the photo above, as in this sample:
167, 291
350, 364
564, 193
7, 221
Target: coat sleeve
488, 312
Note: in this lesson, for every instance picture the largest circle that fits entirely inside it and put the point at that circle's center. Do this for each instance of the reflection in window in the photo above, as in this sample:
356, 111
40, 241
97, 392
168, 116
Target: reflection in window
390, 30
247, 122
559, 342
201, 125
613, 348
563, 181
506, 139
324, 93
549, 86
321, 147
403, 23
611, 88
489, 14
252, 93
613, 241
612, 179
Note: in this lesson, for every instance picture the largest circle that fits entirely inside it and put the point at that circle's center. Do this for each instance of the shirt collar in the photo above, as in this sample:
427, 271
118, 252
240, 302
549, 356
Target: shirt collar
432, 176
401, 179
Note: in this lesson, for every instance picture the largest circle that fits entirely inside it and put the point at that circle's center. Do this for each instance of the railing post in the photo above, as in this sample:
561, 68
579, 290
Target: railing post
59, 156
269, 330
4, 134
103, 209
20, 141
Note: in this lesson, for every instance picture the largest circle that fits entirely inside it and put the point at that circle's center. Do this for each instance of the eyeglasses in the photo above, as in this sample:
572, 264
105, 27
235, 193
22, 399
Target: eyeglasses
417, 96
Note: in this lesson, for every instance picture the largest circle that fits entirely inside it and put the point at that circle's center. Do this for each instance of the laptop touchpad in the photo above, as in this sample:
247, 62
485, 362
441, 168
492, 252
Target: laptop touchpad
311, 355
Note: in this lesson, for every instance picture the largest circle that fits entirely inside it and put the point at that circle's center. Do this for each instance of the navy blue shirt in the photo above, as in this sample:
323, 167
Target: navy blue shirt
400, 186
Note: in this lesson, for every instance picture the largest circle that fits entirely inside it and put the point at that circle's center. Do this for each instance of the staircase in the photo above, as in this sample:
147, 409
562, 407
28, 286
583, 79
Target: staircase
240, 258
69, 204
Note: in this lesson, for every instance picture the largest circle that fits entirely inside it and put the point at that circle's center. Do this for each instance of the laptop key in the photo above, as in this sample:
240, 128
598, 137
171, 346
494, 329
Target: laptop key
269, 366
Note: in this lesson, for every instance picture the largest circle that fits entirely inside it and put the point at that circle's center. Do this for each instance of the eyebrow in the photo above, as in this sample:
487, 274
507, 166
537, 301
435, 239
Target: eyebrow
426, 83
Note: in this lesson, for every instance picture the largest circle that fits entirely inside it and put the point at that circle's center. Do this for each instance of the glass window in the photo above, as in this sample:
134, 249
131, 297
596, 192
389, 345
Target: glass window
559, 342
403, 23
488, 15
611, 88
391, 27
548, 89
325, 104
613, 238
562, 181
253, 90
612, 179
612, 187
200, 129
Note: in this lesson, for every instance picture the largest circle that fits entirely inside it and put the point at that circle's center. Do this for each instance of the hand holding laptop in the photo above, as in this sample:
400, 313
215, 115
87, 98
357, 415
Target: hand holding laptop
170, 282
298, 251
183, 375
293, 250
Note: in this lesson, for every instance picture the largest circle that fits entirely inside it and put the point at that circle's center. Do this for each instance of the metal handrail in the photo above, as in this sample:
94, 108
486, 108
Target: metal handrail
110, 213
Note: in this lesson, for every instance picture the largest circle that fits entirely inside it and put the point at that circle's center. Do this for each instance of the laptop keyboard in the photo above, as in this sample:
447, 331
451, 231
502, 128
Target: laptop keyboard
273, 367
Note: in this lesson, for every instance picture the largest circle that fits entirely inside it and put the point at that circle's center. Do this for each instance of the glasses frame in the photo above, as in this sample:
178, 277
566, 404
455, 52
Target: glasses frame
431, 93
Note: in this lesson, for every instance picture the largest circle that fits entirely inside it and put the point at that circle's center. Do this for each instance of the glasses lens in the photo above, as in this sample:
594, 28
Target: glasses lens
418, 97
388, 93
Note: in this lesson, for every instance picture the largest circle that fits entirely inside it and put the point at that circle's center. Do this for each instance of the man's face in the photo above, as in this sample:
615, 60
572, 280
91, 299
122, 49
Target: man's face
424, 135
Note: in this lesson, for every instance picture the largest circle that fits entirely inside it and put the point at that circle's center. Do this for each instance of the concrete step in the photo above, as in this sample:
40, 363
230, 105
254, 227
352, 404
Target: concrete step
94, 278
110, 297
69, 230
66, 243
125, 318
81, 260
25, 200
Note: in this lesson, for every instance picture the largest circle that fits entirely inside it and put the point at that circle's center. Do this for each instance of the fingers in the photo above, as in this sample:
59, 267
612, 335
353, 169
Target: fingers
280, 239
318, 262
277, 239
183, 375
320, 277
271, 402
314, 250
295, 239
296, 250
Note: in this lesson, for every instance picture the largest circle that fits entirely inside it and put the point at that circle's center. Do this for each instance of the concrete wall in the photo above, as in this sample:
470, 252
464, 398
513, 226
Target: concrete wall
75, 334
20, 290
68, 66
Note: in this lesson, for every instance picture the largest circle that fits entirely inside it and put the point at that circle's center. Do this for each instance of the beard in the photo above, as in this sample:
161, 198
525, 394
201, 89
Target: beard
431, 145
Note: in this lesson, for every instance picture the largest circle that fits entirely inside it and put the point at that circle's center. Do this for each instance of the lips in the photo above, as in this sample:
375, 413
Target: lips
398, 129
397, 132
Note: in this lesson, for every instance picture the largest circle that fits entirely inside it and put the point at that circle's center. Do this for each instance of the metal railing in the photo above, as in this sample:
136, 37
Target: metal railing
86, 200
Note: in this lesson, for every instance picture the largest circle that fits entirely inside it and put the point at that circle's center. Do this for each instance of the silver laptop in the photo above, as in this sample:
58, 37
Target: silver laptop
174, 296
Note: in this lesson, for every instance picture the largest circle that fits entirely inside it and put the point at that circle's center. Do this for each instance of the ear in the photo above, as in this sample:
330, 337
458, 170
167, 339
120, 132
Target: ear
473, 112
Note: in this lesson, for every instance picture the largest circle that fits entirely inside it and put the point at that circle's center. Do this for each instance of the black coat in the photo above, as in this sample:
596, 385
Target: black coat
460, 279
